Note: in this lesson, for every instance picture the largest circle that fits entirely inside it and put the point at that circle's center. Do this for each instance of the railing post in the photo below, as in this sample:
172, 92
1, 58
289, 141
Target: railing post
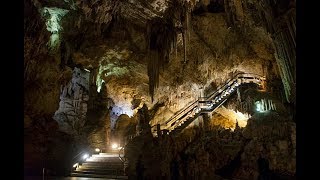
43, 171
158, 130
201, 95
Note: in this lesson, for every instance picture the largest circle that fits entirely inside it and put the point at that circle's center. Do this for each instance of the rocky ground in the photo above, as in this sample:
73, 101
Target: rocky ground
219, 153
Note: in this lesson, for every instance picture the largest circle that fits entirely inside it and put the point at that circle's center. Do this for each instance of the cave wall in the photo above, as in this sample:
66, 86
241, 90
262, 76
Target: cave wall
217, 44
48, 68
278, 18
218, 153
216, 40
224, 37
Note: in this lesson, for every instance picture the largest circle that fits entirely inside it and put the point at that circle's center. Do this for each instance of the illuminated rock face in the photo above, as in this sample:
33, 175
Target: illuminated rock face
214, 49
71, 114
230, 154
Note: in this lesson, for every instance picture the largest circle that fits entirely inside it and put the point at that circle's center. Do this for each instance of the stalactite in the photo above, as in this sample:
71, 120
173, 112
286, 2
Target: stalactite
274, 107
284, 61
184, 35
283, 30
291, 30
188, 20
288, 51
176, 51
227, 10
161, 39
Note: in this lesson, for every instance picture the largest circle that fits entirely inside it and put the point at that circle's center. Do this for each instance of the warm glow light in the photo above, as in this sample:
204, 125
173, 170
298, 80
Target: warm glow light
97, 150
114, 146
233, 116
242, 117
85, 156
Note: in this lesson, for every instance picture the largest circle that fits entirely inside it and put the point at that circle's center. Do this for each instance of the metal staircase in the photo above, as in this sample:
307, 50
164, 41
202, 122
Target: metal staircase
102, 165
187, 115
112, 164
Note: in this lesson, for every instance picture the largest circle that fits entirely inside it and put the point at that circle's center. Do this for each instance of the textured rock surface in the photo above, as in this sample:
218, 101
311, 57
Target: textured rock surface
119, 42
218, 153
273, 138
72, 111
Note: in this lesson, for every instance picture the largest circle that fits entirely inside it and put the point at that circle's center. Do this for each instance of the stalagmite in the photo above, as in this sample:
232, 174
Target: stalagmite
270, 105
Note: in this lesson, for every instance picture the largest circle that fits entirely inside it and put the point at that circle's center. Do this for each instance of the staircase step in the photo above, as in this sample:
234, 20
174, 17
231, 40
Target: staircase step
101, 171
102, 167
106, 155
105, 165
99, 167
101, 157
101, 164
116, 152
104, 160
99, 176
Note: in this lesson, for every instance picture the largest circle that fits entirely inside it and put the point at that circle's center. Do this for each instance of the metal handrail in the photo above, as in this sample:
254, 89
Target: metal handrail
185, 111
121, 159
179, 112
196, 101
77, 158
220, 90
235, 77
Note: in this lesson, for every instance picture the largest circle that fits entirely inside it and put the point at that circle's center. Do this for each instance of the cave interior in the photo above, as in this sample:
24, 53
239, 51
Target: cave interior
160, 89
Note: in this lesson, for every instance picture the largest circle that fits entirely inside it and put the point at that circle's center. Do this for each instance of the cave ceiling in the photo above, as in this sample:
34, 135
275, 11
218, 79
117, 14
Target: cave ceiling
128, 42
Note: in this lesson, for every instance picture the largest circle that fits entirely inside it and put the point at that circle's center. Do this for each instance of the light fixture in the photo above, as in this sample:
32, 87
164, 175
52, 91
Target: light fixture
259, 106
85, 156
97, 150
114, 146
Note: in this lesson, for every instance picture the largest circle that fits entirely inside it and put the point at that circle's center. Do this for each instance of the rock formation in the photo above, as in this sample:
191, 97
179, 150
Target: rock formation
109, 61
71, 114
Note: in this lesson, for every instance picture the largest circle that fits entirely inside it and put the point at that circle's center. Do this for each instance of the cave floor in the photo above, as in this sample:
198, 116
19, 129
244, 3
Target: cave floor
63, 178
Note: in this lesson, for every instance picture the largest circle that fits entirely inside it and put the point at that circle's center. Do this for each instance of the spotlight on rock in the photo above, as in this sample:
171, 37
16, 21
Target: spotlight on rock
85, 156
114, 146
75, 165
